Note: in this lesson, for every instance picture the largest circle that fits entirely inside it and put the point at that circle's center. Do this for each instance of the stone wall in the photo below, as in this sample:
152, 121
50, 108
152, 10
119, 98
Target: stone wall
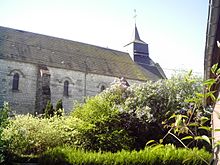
75, 79
39, 84
23, 99
81, 85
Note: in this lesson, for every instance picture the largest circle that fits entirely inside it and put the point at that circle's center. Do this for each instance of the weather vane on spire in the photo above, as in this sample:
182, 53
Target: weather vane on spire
135, 16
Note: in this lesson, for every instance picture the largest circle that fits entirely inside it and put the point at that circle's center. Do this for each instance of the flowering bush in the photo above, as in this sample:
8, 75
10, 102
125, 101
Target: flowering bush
26, 134
154, 100
139, 110
126, 117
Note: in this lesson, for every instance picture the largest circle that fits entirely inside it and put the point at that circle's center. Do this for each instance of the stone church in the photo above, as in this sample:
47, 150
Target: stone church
35, 68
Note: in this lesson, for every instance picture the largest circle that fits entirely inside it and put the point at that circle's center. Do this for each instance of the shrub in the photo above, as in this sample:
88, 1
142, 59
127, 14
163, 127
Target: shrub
136, 112
191, 125
102, 129
49, 111
59, 105
26, 134
163, 97
59, 108
4, 114
167, 155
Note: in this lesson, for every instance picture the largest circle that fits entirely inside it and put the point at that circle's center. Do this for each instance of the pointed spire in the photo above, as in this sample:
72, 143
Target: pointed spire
136, 38
136, 34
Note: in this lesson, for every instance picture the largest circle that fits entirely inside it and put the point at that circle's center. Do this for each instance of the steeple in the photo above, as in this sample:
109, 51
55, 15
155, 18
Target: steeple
136, 34
138, 49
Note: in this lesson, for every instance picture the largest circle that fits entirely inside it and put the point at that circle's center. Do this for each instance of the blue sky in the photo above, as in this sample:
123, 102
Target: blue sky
174, 29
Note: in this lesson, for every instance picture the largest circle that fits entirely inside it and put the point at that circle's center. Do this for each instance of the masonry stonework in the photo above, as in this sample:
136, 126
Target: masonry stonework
22, 100
32, 97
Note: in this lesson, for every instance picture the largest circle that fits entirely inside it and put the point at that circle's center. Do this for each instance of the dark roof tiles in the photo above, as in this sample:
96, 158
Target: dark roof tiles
56, 52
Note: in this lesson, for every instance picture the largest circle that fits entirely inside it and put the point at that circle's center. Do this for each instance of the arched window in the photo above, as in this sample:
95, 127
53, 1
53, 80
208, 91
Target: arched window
103, 88
66, 88
15, 82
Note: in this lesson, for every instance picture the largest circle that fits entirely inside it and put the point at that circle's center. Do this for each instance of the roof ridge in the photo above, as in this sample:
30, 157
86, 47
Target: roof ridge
60, 38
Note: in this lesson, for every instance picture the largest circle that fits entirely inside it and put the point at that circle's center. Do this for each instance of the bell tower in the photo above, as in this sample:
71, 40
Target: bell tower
138, 50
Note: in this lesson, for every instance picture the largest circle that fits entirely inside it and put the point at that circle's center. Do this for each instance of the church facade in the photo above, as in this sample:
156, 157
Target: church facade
35, 68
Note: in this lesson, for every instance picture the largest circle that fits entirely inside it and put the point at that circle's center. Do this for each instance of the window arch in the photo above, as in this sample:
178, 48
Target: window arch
66, 88
15, 83
102, 88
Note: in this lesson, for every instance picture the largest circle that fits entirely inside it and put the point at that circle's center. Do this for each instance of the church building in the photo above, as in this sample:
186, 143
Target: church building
35, 68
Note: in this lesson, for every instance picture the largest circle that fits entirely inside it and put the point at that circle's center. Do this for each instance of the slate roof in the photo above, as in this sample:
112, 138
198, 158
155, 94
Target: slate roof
40, 49
153, 72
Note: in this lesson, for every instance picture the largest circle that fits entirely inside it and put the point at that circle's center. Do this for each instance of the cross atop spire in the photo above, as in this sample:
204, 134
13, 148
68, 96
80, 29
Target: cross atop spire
135, 16
136, 34
135, 37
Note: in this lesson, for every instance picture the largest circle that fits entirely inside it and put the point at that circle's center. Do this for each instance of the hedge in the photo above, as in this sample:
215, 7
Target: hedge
160, 154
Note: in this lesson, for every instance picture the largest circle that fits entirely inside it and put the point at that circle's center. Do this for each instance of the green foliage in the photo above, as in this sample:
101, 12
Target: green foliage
59, 105
191, 125
103, 127
29, 135
95, 109
138, 112
49, 111
164, 97
164, 155
59, 108
4, 114
189, 131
